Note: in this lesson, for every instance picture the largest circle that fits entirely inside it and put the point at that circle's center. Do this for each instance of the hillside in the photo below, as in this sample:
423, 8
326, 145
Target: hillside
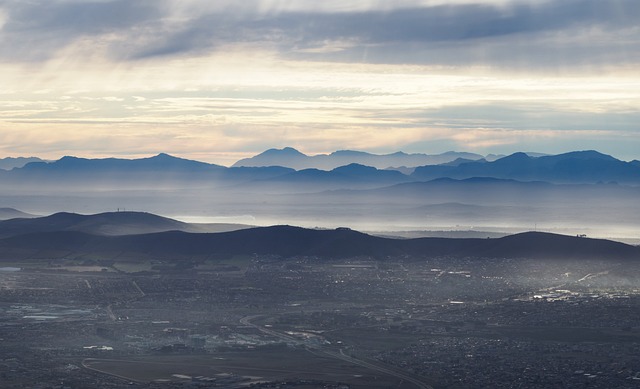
109, 223
287, 241
12, 213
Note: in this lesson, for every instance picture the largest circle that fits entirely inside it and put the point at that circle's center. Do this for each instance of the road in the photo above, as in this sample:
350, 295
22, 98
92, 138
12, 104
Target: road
337, 355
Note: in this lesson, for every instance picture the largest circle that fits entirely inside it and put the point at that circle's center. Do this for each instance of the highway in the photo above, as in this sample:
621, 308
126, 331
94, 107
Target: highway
338, 355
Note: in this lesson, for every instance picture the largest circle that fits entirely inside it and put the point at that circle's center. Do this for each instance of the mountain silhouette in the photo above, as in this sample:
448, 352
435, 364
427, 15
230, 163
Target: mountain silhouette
12, 213
157, 170
349, 176
11, 162
108, 223
290, 157
288, 241
161, 161
574, 167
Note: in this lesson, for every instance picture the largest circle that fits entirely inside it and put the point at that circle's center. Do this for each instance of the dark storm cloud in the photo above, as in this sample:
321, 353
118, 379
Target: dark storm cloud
35, 31
553, 31
472, 21
78, 17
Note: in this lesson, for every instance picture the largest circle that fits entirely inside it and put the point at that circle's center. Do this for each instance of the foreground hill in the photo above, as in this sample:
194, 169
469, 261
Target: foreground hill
287, 241
109, 223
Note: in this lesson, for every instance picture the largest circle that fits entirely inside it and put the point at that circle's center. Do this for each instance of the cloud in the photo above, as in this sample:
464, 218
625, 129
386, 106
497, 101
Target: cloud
567, 34
36, 31
504, 33
100, 75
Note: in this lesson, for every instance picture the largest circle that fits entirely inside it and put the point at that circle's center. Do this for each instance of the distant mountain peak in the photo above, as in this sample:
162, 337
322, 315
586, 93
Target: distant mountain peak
161, 164
287, 151
347, 153
69, 158
587, 154
354, 168
292, 158
17, 162
168, 158
587, 166
518, 155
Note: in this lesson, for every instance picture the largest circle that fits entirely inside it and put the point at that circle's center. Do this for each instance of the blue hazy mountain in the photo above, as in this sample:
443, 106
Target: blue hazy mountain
290, 157
480, 201
488, 190
574, 167
160, 162
159, 169
11, 162
571, 190
350, 176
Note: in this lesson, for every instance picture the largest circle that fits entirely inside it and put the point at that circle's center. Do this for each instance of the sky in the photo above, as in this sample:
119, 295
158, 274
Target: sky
222, 80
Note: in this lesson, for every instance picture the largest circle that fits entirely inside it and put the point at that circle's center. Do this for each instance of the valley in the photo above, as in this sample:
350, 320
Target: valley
304, 322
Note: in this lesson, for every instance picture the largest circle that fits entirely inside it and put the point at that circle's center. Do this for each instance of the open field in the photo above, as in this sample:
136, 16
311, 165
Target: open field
249, 366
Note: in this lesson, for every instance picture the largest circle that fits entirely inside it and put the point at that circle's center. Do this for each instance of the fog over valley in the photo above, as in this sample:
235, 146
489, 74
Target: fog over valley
572, 193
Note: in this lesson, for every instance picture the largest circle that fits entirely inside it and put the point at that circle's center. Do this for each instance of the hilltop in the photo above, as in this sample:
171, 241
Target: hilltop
108, 223
289, 241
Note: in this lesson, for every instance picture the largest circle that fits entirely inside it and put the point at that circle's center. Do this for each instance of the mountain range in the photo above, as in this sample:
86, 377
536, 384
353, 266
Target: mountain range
159, 170
9, 163
574, 167
584, 190
292, 158
345, 169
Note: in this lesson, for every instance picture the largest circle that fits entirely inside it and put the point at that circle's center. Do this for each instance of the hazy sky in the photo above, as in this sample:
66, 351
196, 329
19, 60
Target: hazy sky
224, 79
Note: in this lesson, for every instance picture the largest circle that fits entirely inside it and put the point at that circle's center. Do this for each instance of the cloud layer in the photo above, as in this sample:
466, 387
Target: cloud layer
517, 33
95, 77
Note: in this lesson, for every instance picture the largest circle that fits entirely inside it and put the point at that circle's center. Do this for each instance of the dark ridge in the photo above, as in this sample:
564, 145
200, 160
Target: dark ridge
161, 161
288, 241
109, 223
12, 213
574, 167
460, 161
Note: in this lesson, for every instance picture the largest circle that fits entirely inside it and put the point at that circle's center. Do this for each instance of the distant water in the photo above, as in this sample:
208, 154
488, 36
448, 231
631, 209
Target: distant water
10, 269
236, 219
40, 317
